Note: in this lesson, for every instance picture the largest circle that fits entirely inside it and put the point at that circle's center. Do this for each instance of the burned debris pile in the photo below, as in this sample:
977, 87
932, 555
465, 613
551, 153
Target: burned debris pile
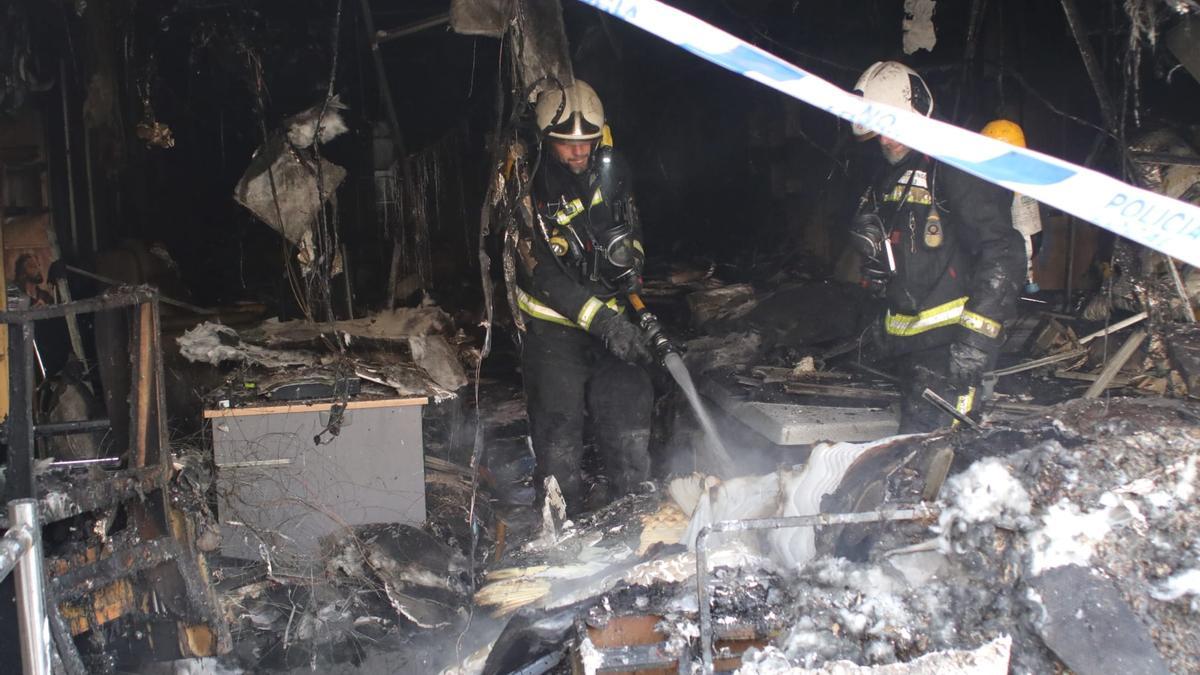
1058, 542
429, 365
1064, 533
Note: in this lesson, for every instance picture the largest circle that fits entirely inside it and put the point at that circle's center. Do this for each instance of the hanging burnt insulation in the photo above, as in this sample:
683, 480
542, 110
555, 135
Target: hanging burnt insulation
410, 216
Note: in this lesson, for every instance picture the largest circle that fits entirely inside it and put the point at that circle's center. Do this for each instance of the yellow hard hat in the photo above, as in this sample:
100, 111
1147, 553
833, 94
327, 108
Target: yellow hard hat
1004, 130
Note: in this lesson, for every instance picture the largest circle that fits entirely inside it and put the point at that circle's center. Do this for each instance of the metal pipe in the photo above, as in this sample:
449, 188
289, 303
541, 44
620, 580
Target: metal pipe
385, 90
87, 167
31, 592
66, 109
1090, 63
37, 357
13, 545
116, 282
102, 303
72, 427
85, 462
415, 27
920, 511
389, 108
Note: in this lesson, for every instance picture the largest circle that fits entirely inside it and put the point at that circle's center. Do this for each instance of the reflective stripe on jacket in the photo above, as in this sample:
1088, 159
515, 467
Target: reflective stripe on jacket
538, 310
953, 313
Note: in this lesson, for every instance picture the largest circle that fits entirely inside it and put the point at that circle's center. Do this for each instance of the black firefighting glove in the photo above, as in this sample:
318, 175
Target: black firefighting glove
967, 364
868, 238
875, 278
625, 340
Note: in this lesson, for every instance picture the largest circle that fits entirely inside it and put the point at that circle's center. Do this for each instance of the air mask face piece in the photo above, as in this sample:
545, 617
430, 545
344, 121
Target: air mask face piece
619, 259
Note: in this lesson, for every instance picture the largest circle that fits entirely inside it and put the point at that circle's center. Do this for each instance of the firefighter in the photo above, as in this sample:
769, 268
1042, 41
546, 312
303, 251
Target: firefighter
1026, 214
582, 353
939, 246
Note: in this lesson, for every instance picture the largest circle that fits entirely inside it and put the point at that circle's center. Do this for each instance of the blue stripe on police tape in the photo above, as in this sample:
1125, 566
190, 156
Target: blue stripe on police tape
1015, 168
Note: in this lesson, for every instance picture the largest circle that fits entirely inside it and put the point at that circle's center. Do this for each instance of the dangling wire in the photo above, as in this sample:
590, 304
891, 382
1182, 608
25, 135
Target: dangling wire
326, 240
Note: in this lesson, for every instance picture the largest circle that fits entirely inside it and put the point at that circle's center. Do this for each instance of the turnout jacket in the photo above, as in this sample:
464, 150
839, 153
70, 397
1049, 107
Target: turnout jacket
959, 262
565, 275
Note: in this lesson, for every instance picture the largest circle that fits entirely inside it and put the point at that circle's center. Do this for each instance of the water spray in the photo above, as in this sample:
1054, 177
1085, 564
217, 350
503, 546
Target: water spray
668, 354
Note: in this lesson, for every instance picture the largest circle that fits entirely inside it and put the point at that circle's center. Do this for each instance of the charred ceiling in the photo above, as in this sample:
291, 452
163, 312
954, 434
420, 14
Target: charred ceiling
215, 77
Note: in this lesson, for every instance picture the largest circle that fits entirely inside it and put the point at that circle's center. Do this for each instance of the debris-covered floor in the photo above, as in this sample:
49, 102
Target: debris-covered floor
1049, 503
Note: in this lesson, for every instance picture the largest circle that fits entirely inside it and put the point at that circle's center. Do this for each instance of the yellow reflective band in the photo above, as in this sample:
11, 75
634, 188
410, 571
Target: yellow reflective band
606, 138
964, 403
568, 212
980, 324
905, 325
916, 195
638, 245
588, 312
597, 198
537, 310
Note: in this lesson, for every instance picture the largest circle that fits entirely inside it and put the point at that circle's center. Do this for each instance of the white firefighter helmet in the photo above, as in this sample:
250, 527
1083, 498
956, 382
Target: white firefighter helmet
893, 84
580, 119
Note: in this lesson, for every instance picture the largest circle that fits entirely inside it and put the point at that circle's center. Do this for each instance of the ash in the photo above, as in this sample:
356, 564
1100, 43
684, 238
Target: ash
1104, 490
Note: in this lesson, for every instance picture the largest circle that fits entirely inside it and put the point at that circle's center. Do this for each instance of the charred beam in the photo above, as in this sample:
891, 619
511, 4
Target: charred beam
143, 384
83, 580
1116, 364
91, 495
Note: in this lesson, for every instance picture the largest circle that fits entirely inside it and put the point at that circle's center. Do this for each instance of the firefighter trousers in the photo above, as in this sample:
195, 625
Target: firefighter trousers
570, 376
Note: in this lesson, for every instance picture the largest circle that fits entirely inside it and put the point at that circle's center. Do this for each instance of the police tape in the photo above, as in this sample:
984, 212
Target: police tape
1154, 220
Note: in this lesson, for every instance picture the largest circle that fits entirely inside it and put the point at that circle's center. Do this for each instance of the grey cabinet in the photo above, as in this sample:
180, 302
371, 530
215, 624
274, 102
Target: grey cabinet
279, 492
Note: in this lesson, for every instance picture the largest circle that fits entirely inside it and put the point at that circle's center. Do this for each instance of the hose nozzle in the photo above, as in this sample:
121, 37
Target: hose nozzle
659, 342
